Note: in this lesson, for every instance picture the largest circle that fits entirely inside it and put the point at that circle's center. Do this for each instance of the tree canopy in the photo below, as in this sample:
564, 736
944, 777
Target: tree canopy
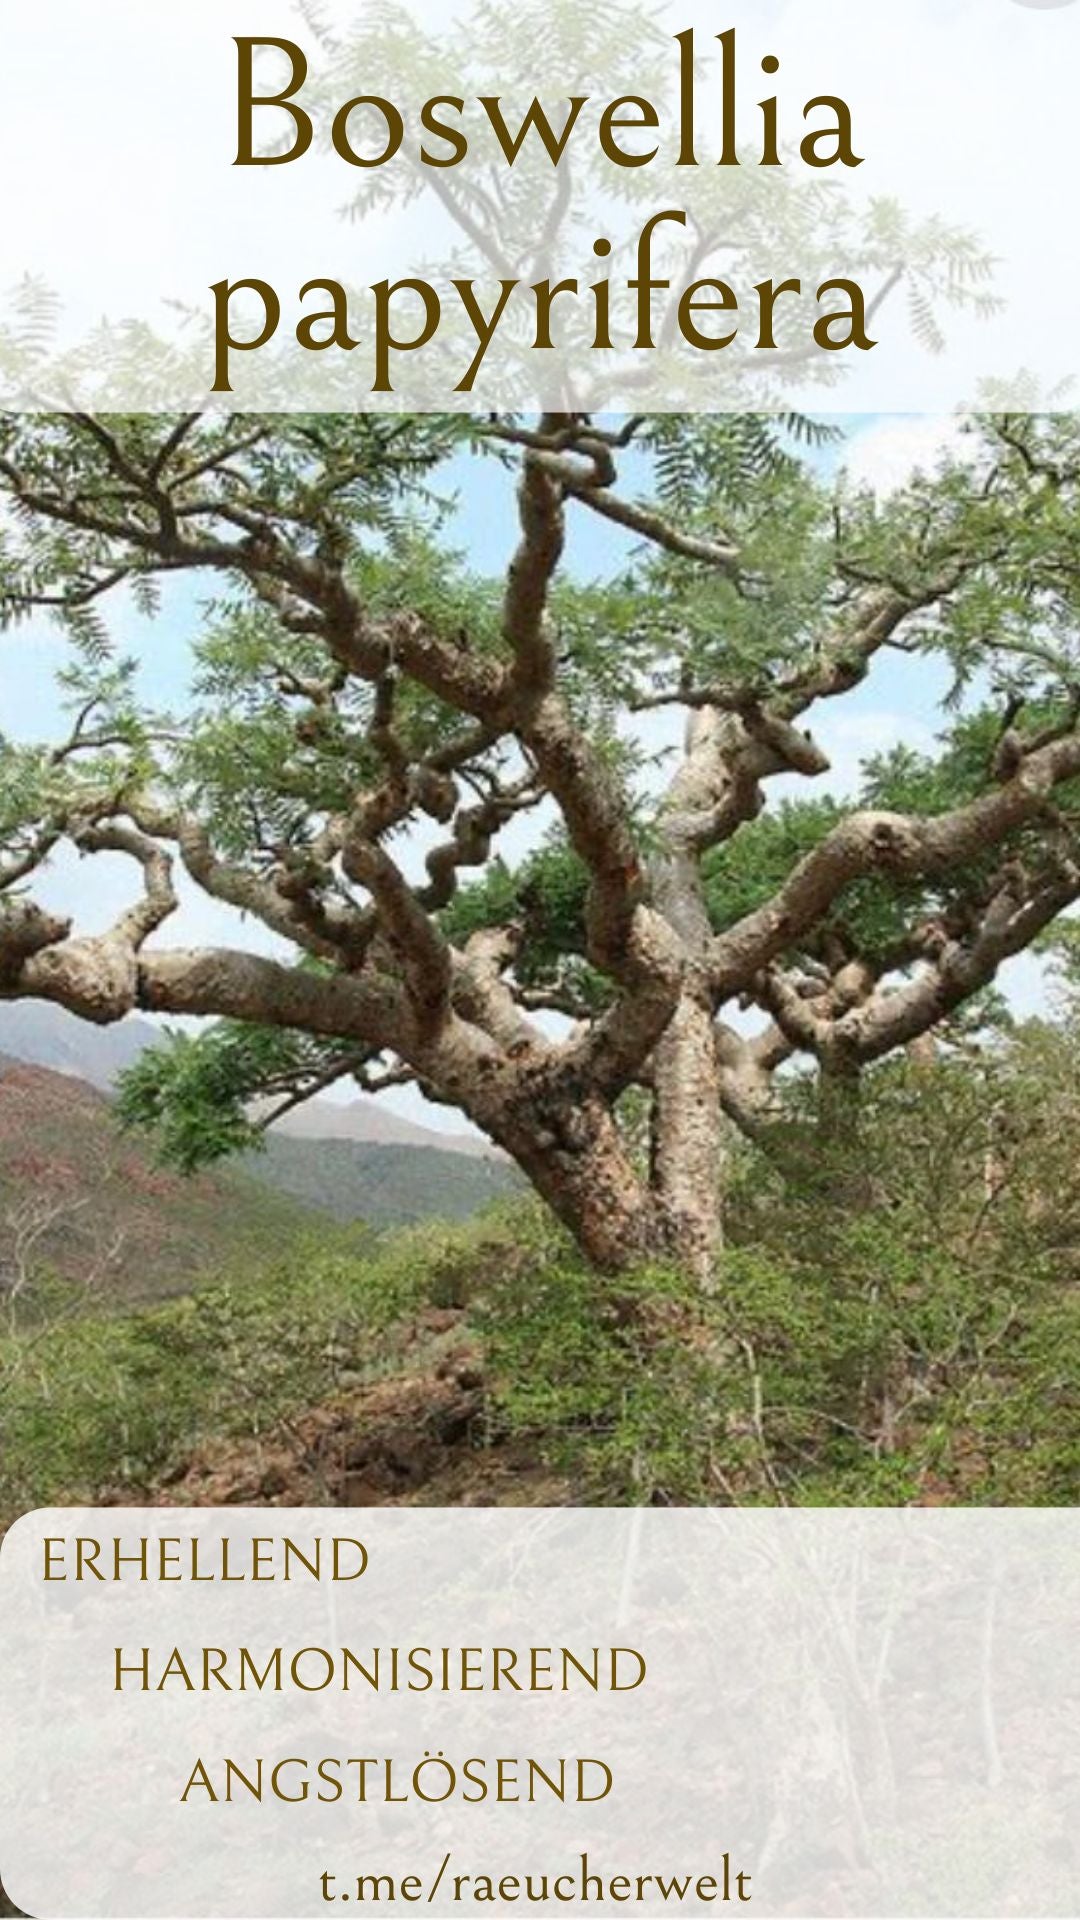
684, 929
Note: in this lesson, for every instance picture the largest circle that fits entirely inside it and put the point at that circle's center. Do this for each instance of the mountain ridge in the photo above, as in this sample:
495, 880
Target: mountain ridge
41, 1035
92, 1204
82, 1201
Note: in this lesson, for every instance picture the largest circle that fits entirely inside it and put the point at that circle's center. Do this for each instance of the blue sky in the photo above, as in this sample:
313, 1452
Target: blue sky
880, 449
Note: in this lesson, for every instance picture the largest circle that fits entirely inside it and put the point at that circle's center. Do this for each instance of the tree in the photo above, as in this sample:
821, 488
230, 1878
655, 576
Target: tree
357, 685
28, 1223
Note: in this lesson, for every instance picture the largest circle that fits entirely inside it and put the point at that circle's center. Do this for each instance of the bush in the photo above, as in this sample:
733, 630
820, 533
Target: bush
107, 1405
895, 1320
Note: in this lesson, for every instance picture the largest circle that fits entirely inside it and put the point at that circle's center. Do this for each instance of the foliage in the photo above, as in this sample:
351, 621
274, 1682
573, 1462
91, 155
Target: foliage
368, 714
195, 1090
103, 1405
546, 895
901, 1325
898, 1325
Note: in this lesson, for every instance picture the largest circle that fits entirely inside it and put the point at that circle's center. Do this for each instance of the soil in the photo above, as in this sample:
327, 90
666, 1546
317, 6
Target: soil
421, 1437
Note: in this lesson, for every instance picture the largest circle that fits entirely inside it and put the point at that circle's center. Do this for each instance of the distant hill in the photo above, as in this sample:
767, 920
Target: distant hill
80, 1197
46, 1036
387, 1186
368, 1121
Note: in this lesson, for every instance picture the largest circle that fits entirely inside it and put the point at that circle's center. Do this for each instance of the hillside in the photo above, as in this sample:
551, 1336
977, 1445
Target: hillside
387, 1186
93, 1205
79, 1198
42, 1035
371, 1122
914, 1339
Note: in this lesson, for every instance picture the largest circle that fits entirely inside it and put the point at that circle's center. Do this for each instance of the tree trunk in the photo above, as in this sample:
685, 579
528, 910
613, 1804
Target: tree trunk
576, 1158
687, 1137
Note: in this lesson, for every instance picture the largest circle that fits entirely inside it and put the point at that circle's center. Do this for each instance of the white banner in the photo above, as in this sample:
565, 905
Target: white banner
234, 1712
819, 205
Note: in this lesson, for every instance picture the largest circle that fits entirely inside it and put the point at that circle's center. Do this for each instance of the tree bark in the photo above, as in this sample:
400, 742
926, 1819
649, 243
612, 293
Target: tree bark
575, 1156
687, 1136
388, 980
687, 1116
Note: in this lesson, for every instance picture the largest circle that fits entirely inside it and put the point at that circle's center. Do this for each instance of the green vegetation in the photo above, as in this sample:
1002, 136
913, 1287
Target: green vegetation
102, 1405
435, 787
386, 1186
90, 1215
844, 1268
898, 1323
101, 1214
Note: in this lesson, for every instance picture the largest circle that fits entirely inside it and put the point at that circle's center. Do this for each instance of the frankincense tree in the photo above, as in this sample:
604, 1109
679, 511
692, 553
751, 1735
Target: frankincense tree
362, 697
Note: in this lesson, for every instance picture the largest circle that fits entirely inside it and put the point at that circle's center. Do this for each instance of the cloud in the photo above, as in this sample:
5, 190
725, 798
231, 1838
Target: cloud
851, 738
885, 454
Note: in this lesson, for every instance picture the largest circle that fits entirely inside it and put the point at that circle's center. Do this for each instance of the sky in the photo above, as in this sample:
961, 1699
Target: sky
897, 703
963, 110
